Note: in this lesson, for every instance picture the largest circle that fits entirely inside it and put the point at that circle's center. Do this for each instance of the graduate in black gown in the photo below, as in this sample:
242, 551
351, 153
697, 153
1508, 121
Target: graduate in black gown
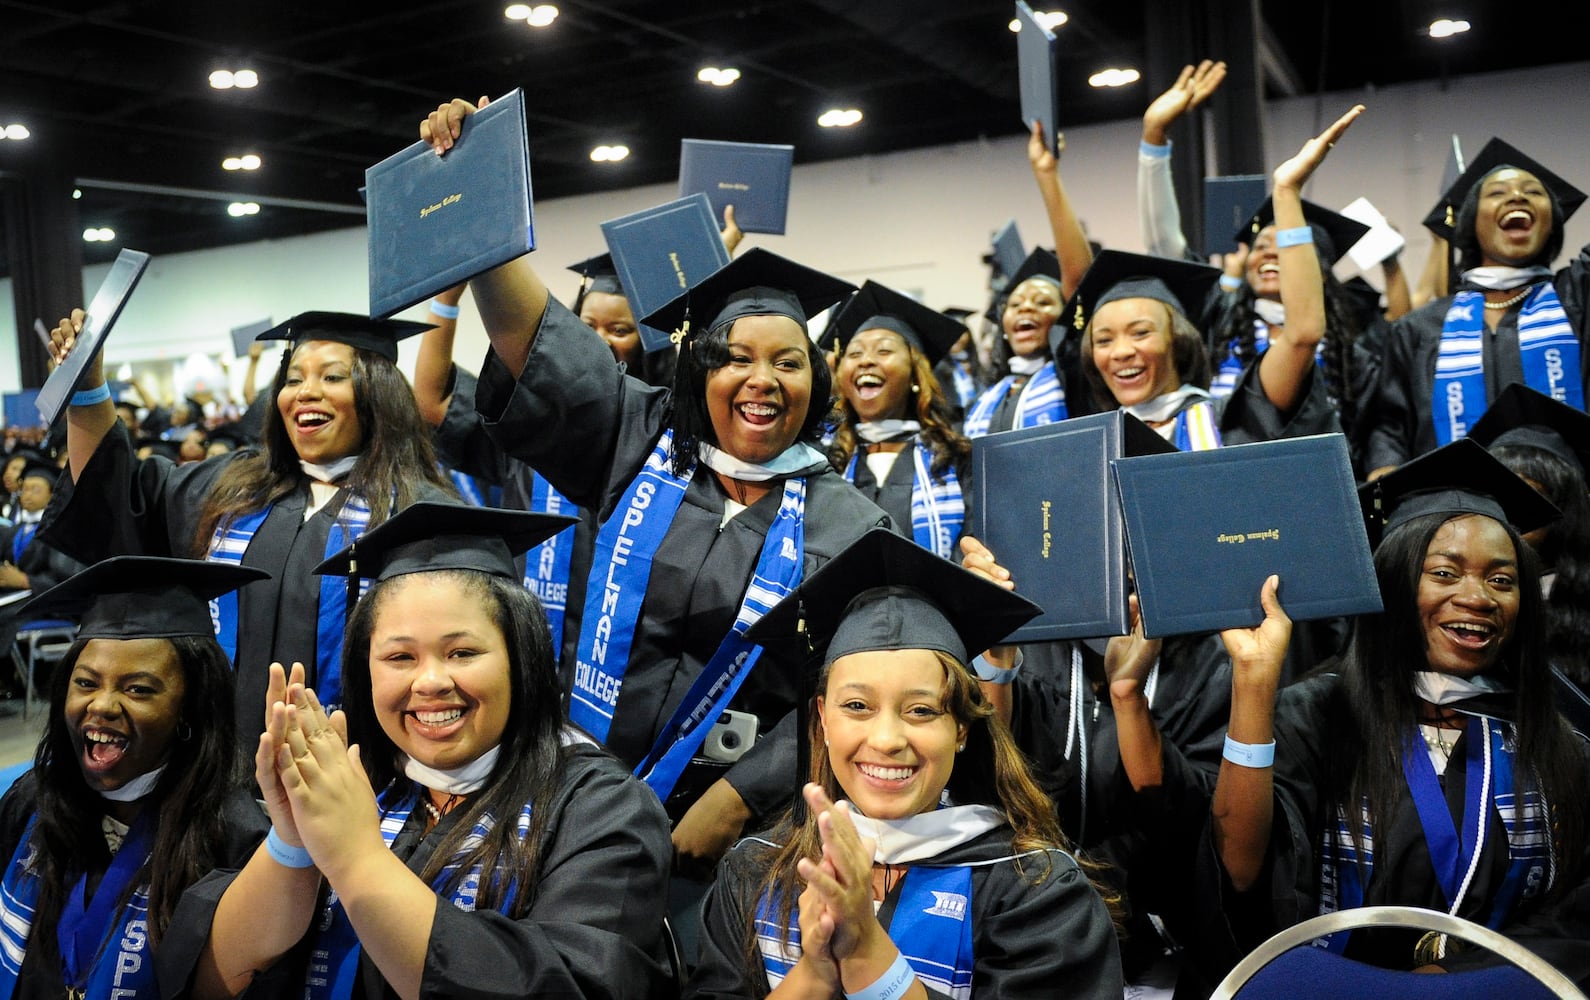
1512, 319
475, 845
925, 861
344, 448
1430, 767
896, 440
726, 465
136, 790
27, 561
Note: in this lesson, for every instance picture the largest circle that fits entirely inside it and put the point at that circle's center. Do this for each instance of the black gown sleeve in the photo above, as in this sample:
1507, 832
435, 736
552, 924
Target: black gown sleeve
722, 970
1247, 415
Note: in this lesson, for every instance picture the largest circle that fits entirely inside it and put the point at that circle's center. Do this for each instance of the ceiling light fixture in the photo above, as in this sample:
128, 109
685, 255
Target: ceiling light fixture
609, 154
539, 16
718, 77
1446, 27
226, 79
101, 234
1050, 19
16, 131
839, 118
1114, 78
238, 209
248, 161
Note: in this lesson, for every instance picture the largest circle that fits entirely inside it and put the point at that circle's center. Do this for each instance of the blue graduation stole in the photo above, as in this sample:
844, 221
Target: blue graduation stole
1547, 347
1043, 401
620, 573
22, 539
932, 927
546, 567
232, 539
1454, 851
965, 385
1196, 429
103, 951
334, 958
938, 509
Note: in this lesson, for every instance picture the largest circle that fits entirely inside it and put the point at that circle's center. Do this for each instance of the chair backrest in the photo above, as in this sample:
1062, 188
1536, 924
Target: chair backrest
1288, 966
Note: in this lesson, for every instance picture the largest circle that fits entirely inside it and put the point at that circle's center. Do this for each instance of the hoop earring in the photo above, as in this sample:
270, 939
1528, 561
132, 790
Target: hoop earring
184, 732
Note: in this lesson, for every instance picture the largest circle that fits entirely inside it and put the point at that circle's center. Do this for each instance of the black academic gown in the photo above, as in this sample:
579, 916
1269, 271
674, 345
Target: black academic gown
1052, 938
1308, 716
123, 506
588, 428
41, 977
1404, 427
894, 493
593, 931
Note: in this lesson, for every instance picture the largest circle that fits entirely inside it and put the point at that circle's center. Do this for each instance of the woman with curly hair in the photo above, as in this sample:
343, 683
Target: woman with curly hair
925, 859
891, 407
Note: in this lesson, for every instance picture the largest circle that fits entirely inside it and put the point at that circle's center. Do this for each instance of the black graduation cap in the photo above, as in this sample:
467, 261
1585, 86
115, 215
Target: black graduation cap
377, 335
877, 306
598, 274
430, 536
959, 314
233, 434
1459, 478
1524, 417
43, 469
1040, 263
1364, 299
1334, 233
142, 597
1497, 154
1115, 274
757, 283
886, 592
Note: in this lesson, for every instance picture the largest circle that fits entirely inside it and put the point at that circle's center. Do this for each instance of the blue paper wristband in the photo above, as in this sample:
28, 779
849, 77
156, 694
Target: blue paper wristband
286, 854
1250, 754
1231, 283
1294, 237
89, 397
991, 674
893, 983
443, 310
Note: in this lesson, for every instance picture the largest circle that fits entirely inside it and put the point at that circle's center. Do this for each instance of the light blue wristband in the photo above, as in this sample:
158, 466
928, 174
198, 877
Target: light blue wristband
893, 983
286, 854
1230, 283
1250, 754
1151, 150
443, 310
90, 397
1294, 237
991, 674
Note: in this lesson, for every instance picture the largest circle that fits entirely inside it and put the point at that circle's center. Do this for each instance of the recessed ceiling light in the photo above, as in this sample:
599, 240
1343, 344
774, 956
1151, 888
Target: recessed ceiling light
248, 161
538, 16
718, 77
226, 79
77, 193
238, 209
1114, 78
1446, 28
839, 118
16, 130
609, 154
100, 234
1050, 19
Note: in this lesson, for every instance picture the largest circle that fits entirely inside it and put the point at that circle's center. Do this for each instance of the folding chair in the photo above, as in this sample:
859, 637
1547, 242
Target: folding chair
39, 643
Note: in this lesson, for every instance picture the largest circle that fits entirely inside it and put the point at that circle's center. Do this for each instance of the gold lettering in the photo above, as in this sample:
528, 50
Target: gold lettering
1046, 544
673, 258
733, 186
451, 199
1267, 535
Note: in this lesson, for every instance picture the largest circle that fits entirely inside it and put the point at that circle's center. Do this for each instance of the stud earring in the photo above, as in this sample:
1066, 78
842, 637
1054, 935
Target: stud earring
958, 749
915, 387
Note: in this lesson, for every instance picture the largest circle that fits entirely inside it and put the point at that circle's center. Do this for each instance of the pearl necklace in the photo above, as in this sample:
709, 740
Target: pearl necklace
1510, 303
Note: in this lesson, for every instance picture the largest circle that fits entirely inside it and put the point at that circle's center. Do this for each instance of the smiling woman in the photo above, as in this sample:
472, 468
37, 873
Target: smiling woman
343, 449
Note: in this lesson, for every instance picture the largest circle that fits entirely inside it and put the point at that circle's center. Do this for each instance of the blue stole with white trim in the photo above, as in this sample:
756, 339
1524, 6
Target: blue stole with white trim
932, 927
1547, 347
616, 589
546, 567
334, 958
1454, 852
1043, 401
965, 384
103, 951
938, 508
232, 539
22, 539
1196, 429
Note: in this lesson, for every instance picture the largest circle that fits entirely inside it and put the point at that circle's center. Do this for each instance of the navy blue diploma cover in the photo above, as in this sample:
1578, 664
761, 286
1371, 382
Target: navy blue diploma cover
1009, 254
1045, 507
438, 220
753, 177
1038, 65
1206, 528
107, 304
243, 336
662, 251
1229, 202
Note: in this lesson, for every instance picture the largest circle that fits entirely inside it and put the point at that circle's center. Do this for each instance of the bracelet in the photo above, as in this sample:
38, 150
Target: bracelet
893, 983
1250, 754
1155, 152
443, 310
286, 854
1294, 237
1231, 283
89, 397
986, 671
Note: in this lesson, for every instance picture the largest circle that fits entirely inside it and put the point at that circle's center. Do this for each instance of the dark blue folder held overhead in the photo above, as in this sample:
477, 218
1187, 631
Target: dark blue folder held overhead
1045, 508
1229, 202
438, 220
1204, 530
752, 176
1038, 65
107, 304
659, 252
